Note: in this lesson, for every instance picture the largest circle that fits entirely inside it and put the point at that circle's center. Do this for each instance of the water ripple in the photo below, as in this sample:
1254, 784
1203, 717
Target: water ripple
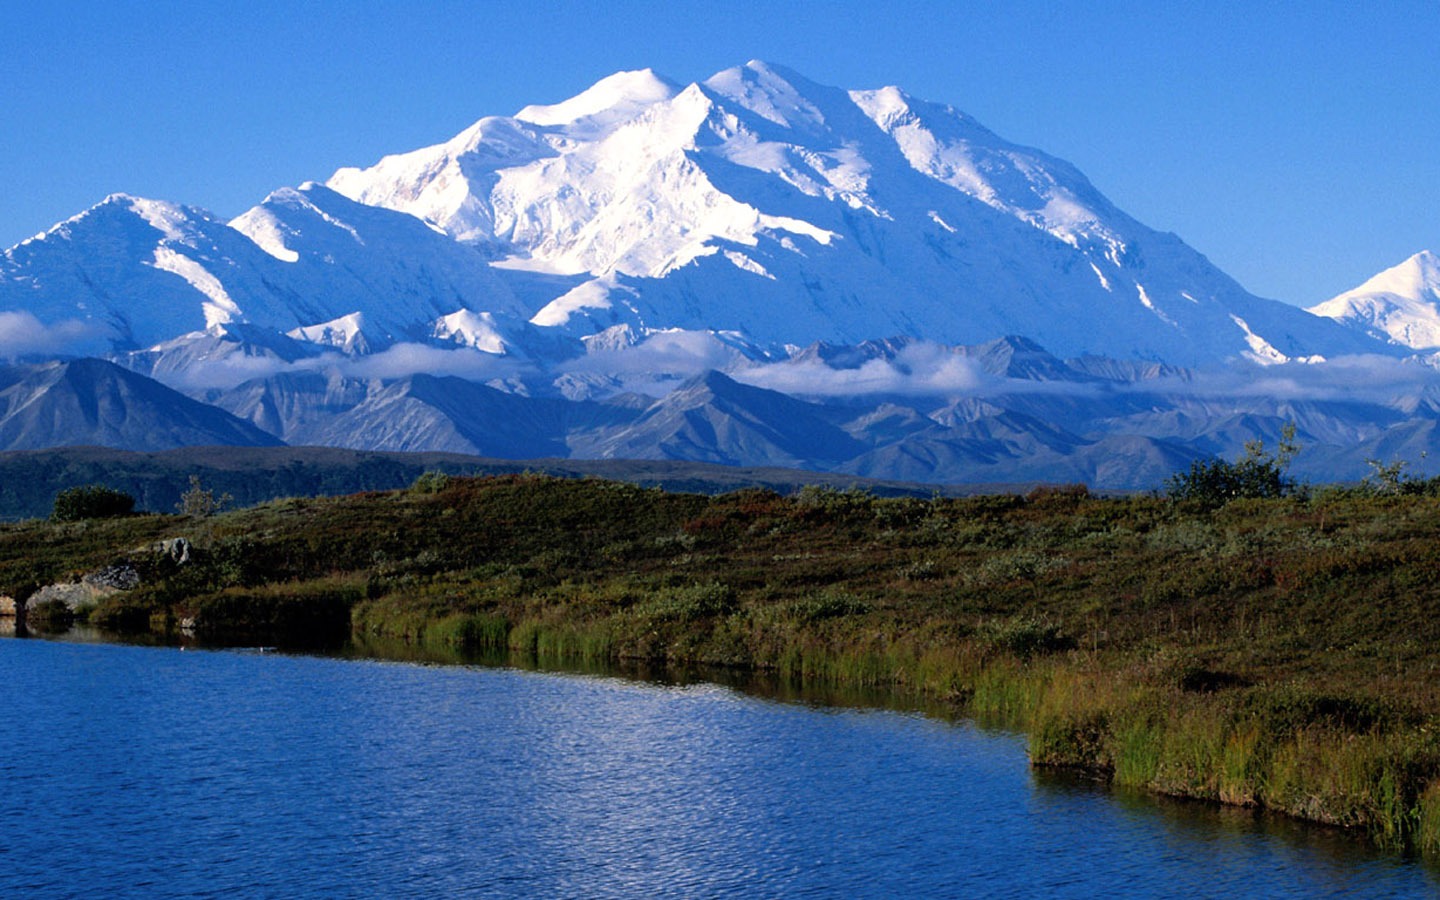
141, 772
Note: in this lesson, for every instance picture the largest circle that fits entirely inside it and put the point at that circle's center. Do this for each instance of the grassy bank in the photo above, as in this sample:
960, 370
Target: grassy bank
1278, 653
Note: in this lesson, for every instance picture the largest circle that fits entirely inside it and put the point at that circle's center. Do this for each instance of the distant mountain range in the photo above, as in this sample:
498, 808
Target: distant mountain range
750, 270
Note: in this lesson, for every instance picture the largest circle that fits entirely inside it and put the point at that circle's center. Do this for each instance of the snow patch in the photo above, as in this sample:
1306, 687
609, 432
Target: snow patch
346, 333
746, 264
797, 226
887, 107
597, 294
1261, 350
221, 308
468, 328
261, 226
167, 218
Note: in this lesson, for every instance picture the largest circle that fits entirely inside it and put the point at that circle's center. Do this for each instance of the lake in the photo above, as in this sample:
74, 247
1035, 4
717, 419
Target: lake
156, 772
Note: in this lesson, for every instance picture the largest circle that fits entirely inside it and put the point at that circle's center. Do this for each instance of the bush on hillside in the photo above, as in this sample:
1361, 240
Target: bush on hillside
1257, 474
200, 501
92, 501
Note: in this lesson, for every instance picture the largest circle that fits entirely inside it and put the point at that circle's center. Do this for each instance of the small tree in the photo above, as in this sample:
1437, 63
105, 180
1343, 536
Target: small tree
1391, 478
92, 501
201, 501
430, 482
1256, 474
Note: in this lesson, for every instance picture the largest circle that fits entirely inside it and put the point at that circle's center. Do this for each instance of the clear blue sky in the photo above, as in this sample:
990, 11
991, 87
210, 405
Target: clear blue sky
1296, 144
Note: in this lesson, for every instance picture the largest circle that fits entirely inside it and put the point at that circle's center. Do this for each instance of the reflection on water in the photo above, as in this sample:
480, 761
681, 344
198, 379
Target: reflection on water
165, 773
765, 685
1342, 861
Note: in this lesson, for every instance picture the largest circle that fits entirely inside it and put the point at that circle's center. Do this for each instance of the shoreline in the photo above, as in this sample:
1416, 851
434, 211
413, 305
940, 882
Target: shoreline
1276, 654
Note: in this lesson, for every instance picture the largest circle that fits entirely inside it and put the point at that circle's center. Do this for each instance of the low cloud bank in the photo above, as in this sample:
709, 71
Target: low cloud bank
23, 336
916, 370
919, 370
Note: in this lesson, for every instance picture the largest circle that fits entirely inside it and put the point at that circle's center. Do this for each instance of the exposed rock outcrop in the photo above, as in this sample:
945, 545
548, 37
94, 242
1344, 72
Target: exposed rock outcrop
92, 587
74, 596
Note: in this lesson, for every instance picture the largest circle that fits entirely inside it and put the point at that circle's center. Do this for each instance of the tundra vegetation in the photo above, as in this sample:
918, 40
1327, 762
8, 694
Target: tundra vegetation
1278, 651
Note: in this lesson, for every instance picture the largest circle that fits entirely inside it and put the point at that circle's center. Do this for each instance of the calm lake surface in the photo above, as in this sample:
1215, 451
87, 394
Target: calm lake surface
153, 772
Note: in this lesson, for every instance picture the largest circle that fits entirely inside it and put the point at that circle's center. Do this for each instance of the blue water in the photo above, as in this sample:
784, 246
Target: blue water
146, 772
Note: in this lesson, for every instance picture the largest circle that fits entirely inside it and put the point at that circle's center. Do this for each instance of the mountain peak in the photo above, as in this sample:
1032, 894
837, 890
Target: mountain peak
617, 96
1415, 277
1400, 304
756, 202
773, 92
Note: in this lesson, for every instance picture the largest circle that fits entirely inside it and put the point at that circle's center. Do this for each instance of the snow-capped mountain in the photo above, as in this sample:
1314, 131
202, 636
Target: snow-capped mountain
131, 274
1401, 304
754, 268
760, 202
755, 202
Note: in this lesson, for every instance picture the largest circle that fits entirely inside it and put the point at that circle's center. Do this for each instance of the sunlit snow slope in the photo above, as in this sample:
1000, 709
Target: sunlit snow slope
761, 202
1401, 304
755, 203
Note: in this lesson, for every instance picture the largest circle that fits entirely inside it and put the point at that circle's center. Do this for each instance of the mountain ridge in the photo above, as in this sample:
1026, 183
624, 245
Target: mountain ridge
754, 267
741, 134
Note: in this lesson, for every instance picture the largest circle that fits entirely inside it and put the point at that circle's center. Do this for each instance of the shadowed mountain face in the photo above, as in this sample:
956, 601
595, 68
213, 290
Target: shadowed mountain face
89, 401
715, 419
1115, 427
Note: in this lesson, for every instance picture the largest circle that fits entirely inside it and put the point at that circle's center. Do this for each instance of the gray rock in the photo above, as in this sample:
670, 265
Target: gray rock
120, 577
177, 548
72, 595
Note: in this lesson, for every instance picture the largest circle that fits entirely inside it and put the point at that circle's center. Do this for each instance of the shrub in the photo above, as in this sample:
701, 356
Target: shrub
828, 605
1025, 636
687, 604
49, 615
1258, 474
200, 501
431, 482
1028, 566
93, 501
1391, 478
1059, 496
826, 501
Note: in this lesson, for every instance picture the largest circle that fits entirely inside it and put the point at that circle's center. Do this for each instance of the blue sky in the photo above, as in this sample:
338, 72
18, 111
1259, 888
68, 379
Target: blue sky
1296, 144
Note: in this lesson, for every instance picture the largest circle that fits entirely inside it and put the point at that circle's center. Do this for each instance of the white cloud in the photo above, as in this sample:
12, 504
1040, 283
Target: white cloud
920, 369
401, 360
1368, 379
22, 335
662, 353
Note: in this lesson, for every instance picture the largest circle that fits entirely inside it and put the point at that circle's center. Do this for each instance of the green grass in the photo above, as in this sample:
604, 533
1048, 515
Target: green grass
1282, 653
